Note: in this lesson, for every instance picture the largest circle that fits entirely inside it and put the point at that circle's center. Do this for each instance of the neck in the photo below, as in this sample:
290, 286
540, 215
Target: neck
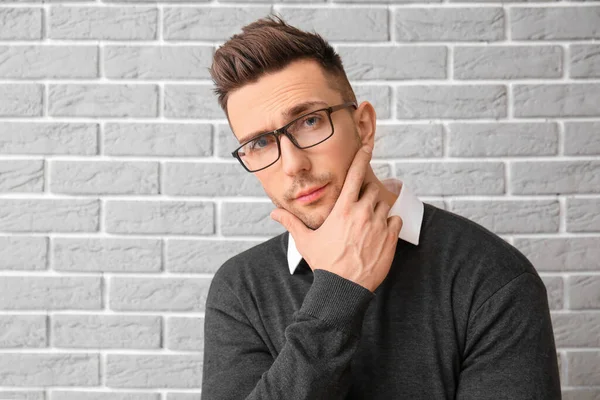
384, 193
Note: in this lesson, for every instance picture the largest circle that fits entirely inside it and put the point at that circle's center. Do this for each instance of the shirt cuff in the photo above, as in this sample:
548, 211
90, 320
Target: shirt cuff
337, 301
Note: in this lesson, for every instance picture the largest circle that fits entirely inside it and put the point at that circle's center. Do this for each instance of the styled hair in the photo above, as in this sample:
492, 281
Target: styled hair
269, 45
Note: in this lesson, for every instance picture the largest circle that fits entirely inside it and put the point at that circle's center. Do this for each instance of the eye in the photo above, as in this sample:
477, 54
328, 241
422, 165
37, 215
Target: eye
312, 120
261, 142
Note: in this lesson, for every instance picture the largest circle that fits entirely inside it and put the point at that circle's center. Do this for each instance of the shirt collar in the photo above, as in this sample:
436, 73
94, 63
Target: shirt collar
407, 206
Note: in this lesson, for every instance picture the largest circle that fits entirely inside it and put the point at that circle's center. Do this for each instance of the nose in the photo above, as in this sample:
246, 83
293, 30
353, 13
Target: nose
293, 159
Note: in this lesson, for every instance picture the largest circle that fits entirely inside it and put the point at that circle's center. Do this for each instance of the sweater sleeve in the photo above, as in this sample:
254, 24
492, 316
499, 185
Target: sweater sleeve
510, 351
314, 362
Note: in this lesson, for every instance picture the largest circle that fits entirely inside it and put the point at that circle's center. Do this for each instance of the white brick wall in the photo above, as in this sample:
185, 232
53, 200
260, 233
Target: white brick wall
119, 199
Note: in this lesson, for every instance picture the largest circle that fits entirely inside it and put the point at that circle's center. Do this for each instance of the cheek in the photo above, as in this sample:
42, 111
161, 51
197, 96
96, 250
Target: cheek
273, 189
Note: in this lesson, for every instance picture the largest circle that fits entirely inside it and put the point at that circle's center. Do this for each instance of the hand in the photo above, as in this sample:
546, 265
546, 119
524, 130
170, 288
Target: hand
357, 241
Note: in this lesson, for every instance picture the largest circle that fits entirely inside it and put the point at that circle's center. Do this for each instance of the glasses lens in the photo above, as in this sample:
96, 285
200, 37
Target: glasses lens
307, 130
311, 129
259, 152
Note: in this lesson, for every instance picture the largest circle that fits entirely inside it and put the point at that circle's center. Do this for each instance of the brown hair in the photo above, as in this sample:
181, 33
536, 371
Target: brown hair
269, 45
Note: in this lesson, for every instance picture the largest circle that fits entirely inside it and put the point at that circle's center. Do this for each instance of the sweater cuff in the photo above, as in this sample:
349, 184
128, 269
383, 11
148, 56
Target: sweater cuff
337, 301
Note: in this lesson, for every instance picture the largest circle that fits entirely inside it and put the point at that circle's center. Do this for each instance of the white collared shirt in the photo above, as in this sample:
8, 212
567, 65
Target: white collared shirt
407, 206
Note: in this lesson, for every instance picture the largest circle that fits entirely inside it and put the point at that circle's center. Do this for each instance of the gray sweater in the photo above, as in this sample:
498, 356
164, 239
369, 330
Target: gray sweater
463, 315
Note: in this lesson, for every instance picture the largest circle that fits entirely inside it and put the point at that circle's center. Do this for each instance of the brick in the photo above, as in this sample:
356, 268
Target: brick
21, 176
582, 138
202, 256
106, 100
176, 140
81, 395
106, 331
562, 254
209, 22
226, 142
491, 1
585, 61
183, 396
502, 139
580, 394
452, 178
249, 219
451, 101
408, 140
50, 293
106, 255
449, 24
49, 215
154, 62
103, 23
584, 292
555, 291
153, 371
154, 217
210, 179
551, 23
582, 215
21, 100
20, 23
550, 177
557, 100
23, 253
20, 331
507, 62
352, 24
48, 138
22, 395
50, 62
560, 357
379, 96
382, 1
49, 369
185, 334
104, 177
158, 294
382, 170
583, 368
581, 329
511, 216
382, 62
191, 101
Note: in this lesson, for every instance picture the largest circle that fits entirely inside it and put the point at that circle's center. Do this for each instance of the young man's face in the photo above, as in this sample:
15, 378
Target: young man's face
260, 106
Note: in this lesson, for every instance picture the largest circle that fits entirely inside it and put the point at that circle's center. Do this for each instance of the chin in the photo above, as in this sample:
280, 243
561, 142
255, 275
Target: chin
314, 219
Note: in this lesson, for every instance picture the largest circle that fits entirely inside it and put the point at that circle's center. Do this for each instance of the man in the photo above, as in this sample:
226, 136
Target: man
372, 294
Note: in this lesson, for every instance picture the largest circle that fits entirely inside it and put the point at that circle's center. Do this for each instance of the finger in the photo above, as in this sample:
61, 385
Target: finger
370, 195
291, 223
355, 176
382, 209
395, 224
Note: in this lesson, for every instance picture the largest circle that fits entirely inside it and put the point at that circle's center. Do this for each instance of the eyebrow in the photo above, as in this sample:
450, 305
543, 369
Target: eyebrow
288, 114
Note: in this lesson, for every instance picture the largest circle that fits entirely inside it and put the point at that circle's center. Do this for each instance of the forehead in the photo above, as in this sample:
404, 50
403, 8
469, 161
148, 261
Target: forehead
262, 105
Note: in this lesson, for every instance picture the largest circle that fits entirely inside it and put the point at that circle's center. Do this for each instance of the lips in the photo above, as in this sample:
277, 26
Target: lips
308, 191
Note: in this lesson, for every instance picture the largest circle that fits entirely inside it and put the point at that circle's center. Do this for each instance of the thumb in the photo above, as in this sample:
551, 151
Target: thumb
291, 223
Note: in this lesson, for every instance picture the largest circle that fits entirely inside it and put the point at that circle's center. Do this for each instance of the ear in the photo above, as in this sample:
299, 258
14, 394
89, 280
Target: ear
365, 119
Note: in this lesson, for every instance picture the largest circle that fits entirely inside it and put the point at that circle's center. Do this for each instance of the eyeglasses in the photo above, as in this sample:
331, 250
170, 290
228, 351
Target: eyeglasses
306, 131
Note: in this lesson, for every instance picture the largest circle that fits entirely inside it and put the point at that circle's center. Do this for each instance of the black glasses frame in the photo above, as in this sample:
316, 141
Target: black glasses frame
283, 131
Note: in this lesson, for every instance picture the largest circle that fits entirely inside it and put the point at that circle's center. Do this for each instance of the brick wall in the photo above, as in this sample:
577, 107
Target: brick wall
119, 199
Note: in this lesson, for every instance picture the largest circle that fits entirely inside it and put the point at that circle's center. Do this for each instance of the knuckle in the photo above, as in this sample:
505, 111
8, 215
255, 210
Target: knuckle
363, 215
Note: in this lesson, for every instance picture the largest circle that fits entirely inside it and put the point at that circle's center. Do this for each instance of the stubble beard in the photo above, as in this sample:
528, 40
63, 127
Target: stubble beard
313, 216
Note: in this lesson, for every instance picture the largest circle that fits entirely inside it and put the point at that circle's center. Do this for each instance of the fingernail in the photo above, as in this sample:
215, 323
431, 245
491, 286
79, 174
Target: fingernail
367, 149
